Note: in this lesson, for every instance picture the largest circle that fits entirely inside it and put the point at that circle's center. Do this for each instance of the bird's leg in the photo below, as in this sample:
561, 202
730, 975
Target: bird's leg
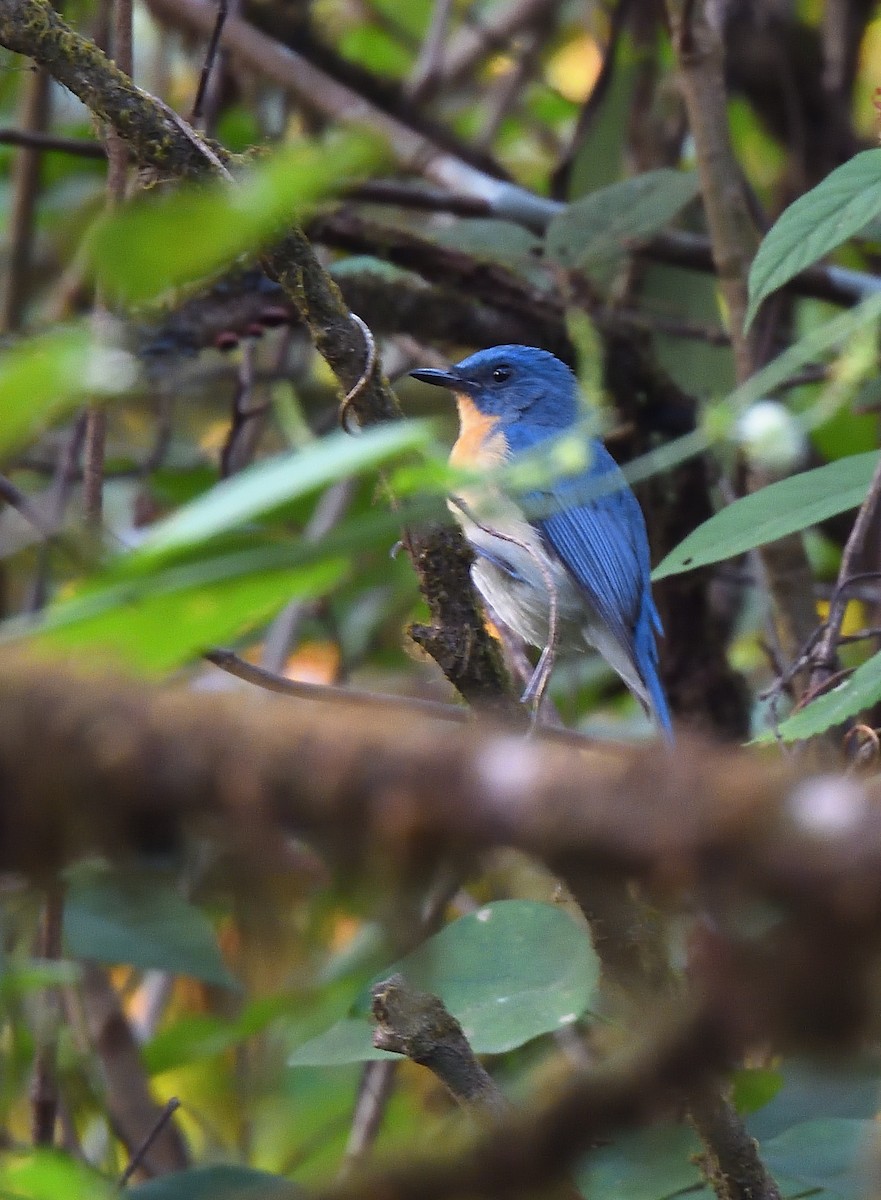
538, 683
541, 676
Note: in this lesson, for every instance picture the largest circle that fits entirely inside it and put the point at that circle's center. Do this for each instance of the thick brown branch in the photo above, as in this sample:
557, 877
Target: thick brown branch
418, 1025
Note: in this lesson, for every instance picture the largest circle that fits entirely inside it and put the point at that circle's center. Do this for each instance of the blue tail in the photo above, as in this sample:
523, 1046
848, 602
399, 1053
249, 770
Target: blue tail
646, 655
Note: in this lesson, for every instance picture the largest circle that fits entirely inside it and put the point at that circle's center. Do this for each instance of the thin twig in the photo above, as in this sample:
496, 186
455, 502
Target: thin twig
245, 426
211, 55
429, 61
140, 1154
824, 656
16, 499
82, 147
230, 662
44, 1085
25, 189
283, 632
94, 450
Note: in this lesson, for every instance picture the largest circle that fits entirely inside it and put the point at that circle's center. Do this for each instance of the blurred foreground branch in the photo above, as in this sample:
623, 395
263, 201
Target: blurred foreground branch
90, 763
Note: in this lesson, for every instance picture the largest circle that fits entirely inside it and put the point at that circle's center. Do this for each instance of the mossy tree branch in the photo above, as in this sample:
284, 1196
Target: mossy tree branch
161, 140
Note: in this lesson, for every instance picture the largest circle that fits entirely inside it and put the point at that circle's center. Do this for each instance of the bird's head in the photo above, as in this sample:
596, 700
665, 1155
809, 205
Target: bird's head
513, 383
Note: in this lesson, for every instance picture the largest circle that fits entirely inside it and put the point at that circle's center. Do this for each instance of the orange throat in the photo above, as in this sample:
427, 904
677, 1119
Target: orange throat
481, 442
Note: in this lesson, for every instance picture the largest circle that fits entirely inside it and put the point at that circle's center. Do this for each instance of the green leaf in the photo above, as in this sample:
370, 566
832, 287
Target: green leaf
648, 1165
19, 976
860, 691
508, 973
267, 485
203, 227
816, 223
224, 1182
347, 1041
49, 1175
43, 377
121, 917
825, 1153
754, 1088
600, 153
598, 226
162, 621
773, 512
489, 239
198, 1036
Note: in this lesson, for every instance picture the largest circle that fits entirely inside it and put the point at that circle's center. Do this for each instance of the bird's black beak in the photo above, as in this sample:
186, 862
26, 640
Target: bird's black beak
444, 379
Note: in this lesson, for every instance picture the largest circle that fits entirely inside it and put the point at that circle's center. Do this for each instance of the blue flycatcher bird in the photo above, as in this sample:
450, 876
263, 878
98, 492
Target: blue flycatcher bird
577, 571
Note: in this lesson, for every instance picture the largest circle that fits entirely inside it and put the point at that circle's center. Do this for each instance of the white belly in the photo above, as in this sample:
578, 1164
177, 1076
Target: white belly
516, 577
514, 573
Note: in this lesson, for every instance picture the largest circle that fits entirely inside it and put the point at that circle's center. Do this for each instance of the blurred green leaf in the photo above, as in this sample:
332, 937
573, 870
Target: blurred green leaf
754, 1087
859, 691
773, 512
223, 1182
491, 240
650, 1164
45, 376
51, 1175
115, 916
509, 972
178, 614
267, 485
348, 1041
203, 1035
30, 975
201, 228
816, 223
597, 227
827, 1153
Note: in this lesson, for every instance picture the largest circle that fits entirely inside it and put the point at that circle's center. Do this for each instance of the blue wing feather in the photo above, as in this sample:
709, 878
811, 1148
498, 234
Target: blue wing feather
603, 543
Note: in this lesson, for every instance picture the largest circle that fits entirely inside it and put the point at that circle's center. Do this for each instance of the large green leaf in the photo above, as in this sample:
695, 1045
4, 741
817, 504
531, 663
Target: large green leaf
816, 223
773, 512
826, 1153
595, 228
45, 376
509, 972
160, 622
860, 691
123, 917
203, 227
50, 1175
223, 1182
650, 1164
265, 486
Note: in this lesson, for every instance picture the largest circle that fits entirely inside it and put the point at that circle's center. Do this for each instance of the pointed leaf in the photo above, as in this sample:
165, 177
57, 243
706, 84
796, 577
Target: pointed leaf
599, 225
508, 973
858, 692
773, 512
267, 485
816, 223
177, 615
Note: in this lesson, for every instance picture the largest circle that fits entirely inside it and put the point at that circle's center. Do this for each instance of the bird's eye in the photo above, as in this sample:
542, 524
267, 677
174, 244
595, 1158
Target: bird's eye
500, 374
